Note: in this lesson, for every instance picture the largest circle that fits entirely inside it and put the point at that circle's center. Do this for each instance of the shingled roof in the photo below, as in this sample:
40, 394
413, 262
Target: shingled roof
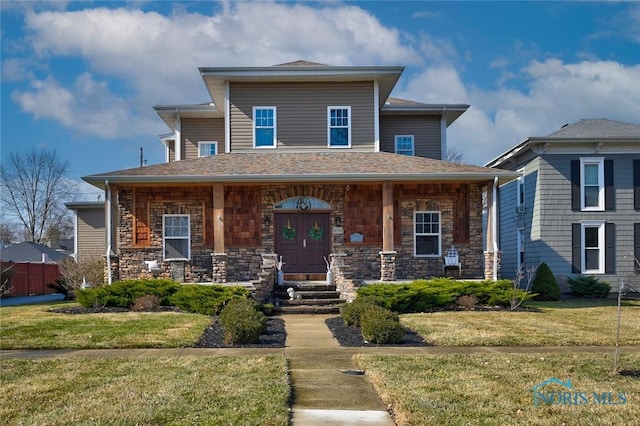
600, 128
28, 251
335, 166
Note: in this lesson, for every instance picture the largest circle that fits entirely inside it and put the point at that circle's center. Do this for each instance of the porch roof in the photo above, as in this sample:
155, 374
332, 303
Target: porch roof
334, 166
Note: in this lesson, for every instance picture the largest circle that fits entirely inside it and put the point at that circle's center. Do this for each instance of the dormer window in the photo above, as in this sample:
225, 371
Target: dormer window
404, 145
206, 149
339, 126
264, 127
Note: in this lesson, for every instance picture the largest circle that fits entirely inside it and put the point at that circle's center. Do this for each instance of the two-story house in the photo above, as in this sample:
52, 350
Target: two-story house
576, 204
308, 161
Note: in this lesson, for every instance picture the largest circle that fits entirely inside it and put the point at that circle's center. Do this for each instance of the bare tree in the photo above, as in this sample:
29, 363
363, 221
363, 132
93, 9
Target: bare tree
34, 190
8, 234
455, 155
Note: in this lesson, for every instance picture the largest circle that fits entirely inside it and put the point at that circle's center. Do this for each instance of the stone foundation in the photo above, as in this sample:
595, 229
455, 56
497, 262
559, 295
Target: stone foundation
388, 265
219, 267
344, 276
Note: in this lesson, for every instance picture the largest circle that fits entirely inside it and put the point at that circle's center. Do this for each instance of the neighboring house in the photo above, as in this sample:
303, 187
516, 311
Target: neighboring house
89, 229
308, 161
576, 204
28, 251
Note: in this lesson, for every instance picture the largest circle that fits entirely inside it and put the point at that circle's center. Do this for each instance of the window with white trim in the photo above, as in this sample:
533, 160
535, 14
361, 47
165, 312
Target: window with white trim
206, 148
593, 247
176, 236
427, 233
264, 127
339, 126
592, 183
520, 190
404, 145
520, 249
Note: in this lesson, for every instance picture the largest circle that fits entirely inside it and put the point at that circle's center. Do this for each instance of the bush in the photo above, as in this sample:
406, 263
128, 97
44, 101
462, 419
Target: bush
205, 299
588, 286
380, 325
75, 274
6, 280
545, 284
353, 310
148, 302
242, 322
123, 294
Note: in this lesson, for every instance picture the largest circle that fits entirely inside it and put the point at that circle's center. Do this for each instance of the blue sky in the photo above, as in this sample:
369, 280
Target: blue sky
82, 77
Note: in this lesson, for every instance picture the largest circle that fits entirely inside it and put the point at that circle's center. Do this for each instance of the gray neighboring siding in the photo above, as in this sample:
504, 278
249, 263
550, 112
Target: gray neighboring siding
91, 233
195, 130
551, 217
425, 131
301, 113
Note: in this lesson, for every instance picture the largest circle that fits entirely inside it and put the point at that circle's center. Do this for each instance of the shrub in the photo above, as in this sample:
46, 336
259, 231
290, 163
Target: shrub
205, 299
545, 284
380, 325
588, 286
242, 322
87, 270
148, 302
352, 311
6, 280
123, 294
467, 301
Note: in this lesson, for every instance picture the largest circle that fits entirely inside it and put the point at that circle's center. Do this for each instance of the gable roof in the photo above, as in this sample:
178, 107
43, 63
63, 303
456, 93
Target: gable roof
585, 136
28, 251
331, 166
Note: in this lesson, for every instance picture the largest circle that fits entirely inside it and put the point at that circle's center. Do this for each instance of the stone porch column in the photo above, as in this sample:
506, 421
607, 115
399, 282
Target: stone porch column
388, 265
219, 267
488, 264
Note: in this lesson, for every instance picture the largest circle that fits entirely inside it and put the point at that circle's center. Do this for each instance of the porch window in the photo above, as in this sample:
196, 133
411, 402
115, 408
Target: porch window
176, 236
264, 127
206, 149
339, 126
404, 145
427, 233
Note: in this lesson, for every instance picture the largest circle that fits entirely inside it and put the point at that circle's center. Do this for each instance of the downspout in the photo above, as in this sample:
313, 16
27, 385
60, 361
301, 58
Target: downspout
494, 219
107, 205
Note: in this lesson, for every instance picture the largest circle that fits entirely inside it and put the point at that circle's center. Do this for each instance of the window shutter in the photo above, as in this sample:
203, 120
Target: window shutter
609, 248
609, 191
636, 184
575, 185
636, 247
576, 243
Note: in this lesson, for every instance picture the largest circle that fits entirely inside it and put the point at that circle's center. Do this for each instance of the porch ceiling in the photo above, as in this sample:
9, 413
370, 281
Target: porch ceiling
338, 166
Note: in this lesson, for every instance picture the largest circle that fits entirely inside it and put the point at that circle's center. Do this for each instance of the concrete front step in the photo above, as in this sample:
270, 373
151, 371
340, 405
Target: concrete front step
307, 309
310, 295
315, 302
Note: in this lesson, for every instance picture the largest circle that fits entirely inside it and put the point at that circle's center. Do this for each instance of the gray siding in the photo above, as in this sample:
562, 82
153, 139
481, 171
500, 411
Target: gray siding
549, 216
301, 113
425, 131
91, 233
195, 130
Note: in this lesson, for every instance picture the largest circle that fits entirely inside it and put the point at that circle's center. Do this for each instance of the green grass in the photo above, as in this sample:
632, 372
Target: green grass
35, 327
577, 322
494, 389
150, 391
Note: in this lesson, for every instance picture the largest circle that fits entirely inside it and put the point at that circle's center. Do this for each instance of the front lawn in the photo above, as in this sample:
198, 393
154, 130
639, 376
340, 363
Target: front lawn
149, 391
35, 327
495, 389
578, 322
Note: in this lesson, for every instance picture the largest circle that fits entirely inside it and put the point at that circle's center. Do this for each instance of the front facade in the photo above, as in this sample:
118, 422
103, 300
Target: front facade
576, 204
310, 162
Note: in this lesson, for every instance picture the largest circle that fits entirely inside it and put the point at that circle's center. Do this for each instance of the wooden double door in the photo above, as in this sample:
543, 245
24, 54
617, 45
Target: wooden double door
303, 240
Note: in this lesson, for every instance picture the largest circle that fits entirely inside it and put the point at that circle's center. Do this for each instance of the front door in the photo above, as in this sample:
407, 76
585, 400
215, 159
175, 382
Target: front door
303, 240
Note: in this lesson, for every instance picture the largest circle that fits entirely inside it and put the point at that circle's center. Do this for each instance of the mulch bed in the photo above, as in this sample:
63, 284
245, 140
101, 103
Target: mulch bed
213, 336
352, 336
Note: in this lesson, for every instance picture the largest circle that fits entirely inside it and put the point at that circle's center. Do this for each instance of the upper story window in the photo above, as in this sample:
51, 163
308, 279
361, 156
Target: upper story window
404, 145
176, 236
427, 233
264, 127
339, 126
592, 183
520, 191
206, 149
